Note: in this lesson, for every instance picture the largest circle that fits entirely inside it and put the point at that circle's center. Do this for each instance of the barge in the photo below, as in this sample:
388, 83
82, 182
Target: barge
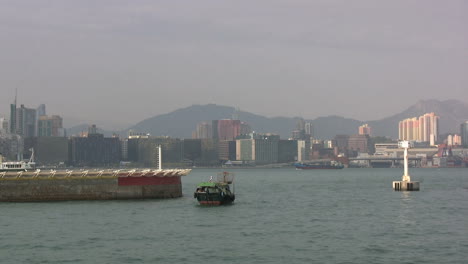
35, 186
19, 183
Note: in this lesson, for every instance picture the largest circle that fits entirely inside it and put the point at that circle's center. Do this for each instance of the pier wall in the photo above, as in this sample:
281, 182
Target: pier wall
50, 189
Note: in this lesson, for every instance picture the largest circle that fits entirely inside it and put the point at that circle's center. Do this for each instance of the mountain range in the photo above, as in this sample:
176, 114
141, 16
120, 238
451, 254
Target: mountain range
180, 123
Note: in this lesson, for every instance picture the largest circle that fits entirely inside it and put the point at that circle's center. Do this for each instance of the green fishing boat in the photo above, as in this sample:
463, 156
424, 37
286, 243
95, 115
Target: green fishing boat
218, 192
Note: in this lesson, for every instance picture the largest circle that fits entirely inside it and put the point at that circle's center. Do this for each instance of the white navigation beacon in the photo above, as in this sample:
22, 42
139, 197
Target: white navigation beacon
405, 184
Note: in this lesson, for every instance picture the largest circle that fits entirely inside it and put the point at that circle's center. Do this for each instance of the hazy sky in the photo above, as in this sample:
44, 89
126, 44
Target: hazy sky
117, 62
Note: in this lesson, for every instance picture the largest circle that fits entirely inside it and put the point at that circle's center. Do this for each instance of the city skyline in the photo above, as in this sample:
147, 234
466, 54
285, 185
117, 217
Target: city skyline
453, 112
117, 62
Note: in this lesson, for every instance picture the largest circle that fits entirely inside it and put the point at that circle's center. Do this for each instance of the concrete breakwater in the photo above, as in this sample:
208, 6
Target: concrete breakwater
85, 185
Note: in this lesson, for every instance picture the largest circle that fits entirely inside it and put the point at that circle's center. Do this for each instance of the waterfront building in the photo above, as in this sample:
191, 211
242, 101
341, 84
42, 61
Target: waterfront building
227, 150
94, 150
464, 134
210, 155
52, 151
260, 148
365, 130
266, 148
287, 151
192, 150
244, 150
124, 149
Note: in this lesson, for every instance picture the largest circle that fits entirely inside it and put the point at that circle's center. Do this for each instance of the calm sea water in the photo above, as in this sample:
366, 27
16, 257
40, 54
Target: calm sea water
280, 216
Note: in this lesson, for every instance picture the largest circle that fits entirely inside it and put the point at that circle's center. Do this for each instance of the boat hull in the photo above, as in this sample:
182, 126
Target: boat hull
214, 199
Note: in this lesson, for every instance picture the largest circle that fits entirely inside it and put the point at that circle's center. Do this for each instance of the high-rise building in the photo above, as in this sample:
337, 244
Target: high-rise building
92, 129
214, 127
424, 128
4, 129
228, 129
302, 131
453, 140
309, 129
365, 130
50, 126
41, 110
25, 121
300, 125
409, 129
245, 129
298, 135
464, 134
456, 140
203, 130
303, 150
429, 128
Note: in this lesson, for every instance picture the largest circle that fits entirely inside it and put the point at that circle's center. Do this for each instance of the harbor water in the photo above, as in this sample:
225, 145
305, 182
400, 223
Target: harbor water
279, 216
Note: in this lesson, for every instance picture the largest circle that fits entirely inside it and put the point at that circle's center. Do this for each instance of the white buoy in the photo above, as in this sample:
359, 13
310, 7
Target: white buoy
405, 184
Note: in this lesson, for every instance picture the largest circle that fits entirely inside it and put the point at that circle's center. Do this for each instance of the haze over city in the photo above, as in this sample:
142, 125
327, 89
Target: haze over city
118, 62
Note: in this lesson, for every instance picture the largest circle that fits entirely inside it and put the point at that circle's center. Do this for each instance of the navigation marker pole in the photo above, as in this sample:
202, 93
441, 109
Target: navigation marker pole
405, 184
159, 158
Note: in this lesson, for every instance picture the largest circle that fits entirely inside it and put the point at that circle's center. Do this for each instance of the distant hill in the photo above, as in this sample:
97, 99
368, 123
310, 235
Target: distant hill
182, 122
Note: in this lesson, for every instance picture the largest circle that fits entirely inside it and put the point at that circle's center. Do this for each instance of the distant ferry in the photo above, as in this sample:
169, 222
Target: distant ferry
18, 165
328, 164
